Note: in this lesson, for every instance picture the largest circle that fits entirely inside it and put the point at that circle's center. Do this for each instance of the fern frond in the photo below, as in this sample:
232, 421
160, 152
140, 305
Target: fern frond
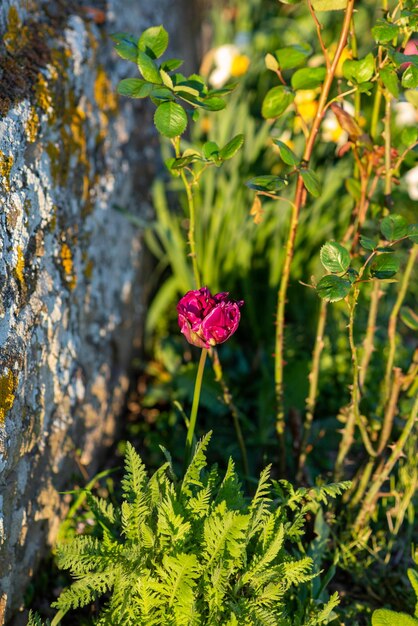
198, 506
103, 511
224, 537
215, 589
261, 563
197, 464
177, 580
34, 619
85, 591
322, 493
171, 525
261, 503
324, 615
230, 489
86, 554
296, 572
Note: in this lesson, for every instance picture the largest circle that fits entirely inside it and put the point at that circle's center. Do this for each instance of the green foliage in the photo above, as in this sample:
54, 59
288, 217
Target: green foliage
386, 617
195, 551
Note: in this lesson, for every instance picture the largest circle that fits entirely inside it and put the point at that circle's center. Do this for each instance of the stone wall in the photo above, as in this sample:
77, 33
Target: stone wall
71, 298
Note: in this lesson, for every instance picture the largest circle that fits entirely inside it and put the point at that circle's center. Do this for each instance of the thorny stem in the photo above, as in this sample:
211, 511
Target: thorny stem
368, 344
299, 199
394, 318
313, 385
195, 405
370, 500
390, 410
217, 368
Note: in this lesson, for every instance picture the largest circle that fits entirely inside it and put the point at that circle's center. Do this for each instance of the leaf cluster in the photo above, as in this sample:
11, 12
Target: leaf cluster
174, 94
195, 551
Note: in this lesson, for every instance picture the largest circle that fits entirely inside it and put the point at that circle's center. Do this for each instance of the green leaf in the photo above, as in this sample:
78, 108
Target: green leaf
210, 150
413, 573
333, 288
367, 243
384, 32
171, 64
384, 266
212, 103
267, 183
410, 318
409, 135
148, 68
410, 77
394, 227
276, 102
134, 88
126, 46
334, 257
390, 80
308, 77
286, 154
329, 5
292, 56
154, 41
170, 119
359, 71
385, 617
232, 147
160, 93
311, 182
413, 232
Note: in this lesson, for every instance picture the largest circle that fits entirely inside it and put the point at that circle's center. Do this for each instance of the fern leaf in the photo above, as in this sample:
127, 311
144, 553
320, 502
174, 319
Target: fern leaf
224, 536
230, 490
324, 615
322, 493
296, 572
261, 563
197, 464
85, 591
171, 525
34, 619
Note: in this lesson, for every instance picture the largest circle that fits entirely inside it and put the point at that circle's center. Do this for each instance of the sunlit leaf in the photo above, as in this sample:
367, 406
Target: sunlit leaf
170, 119
308, 77
384, 266
311, 182
359, 71
154, 41
267, 183
409, 318
292, 56
334, 257
232, 147
393, 227
148, 68
287, 155
134, 88
276, 102
333, 288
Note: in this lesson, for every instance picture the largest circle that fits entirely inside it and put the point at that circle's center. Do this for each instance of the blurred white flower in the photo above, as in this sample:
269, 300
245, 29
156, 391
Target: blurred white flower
405, 114
228, 62
411, 179
331, 129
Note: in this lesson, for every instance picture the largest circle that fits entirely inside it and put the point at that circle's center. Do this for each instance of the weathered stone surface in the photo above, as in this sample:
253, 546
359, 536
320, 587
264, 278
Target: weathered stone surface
70, 293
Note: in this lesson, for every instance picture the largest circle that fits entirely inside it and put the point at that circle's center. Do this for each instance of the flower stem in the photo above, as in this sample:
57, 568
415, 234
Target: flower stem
195, 405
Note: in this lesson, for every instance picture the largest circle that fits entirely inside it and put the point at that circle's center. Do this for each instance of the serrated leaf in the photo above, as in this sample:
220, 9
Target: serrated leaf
390, 80
334, 257
126, 46
292, 56
333, 288
413, 232
410, 319
308, 77
154, 41
267, 183
170, 119
271, 62
410, 77
384, 32
329, 5
166, 78
276, 102
286, 154
384, 266
385, 617
393, 227
148, 68
359, 71
232, 147
134, 88
160, 93
171, 64
311, 182
367, 243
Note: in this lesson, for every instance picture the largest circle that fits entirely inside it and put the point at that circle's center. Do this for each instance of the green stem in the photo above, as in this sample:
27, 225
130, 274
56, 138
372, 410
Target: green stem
313, 385
58, 617
394, 318
192, 226
296, 207
388, 147
376, 112
369, 502
195, 405
368, 344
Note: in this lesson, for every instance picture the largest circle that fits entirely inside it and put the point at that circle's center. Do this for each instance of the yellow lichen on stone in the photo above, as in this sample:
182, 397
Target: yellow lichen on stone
103, 92
16, 36
20, 267
43, 96
32, 125
8, 384
6, 164
68, 265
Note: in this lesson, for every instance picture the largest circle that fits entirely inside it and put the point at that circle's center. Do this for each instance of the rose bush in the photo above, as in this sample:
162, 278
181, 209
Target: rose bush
207, 320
